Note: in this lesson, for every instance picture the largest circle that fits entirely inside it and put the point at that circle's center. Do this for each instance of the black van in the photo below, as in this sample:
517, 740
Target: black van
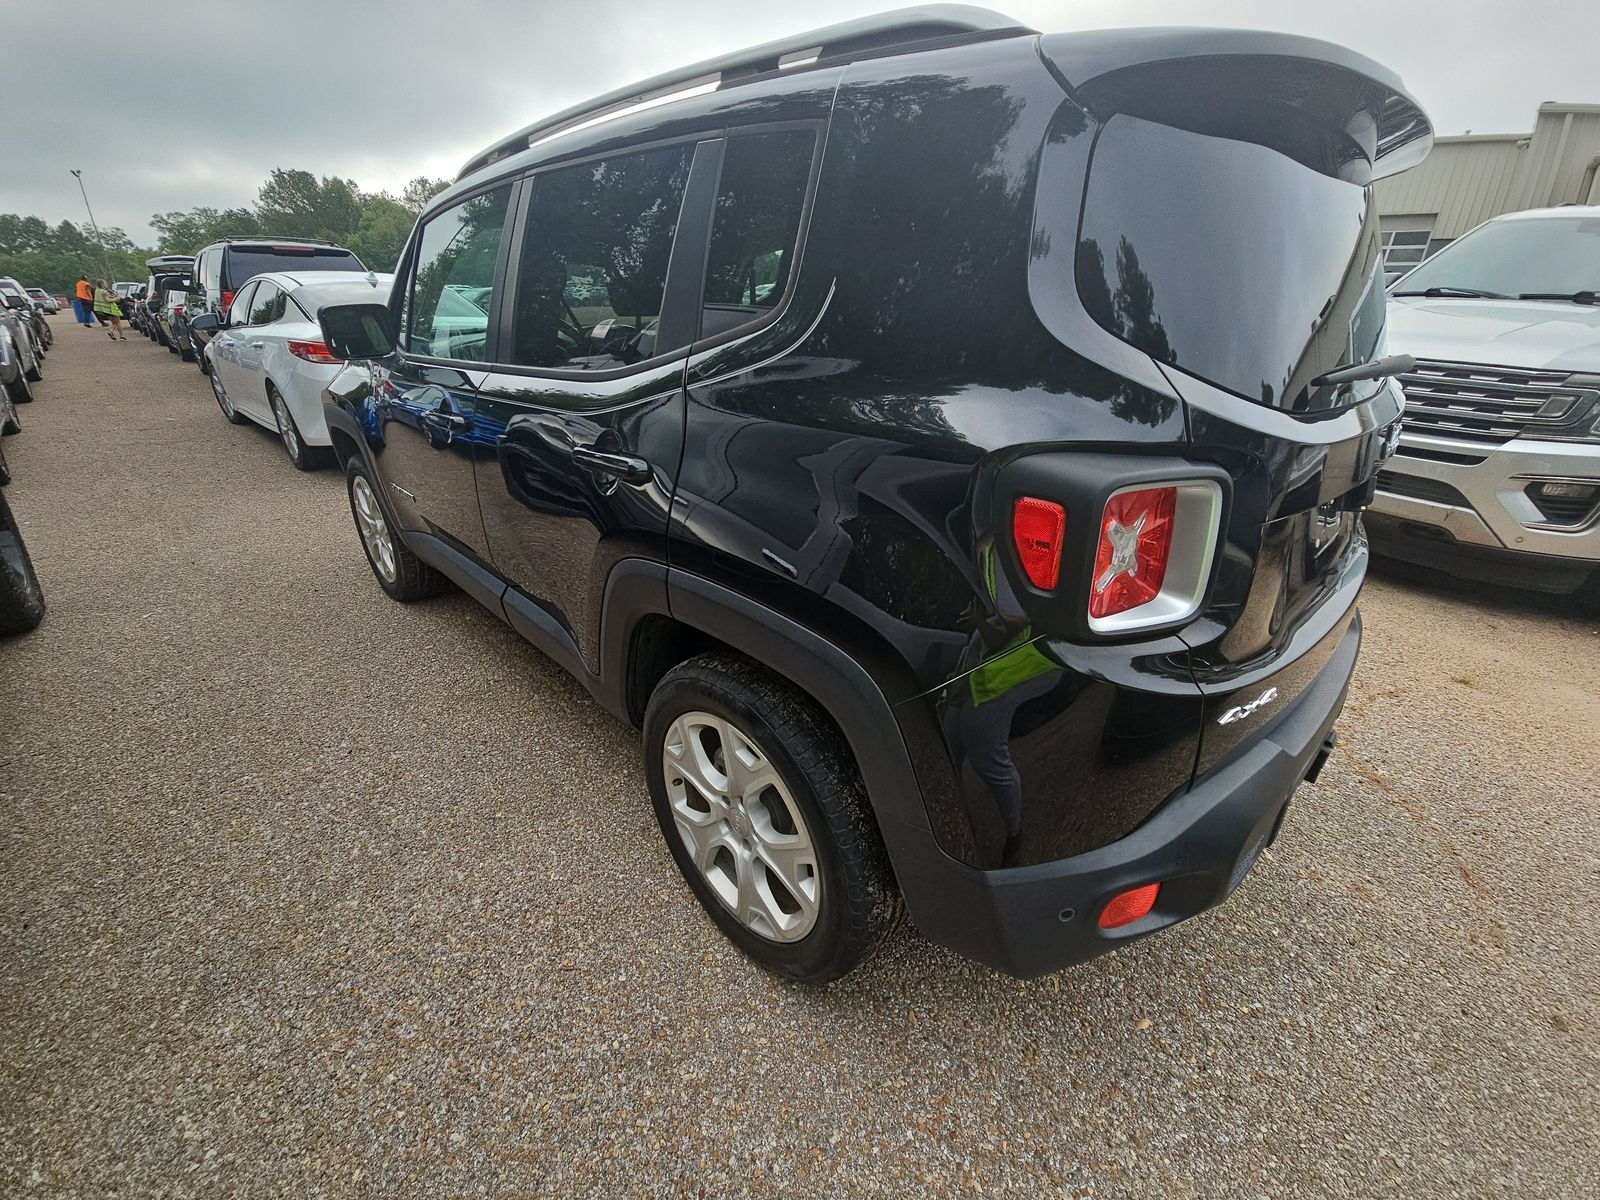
946, 442
221, 269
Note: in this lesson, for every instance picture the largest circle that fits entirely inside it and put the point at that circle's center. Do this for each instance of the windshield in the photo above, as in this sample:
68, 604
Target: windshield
1550, 255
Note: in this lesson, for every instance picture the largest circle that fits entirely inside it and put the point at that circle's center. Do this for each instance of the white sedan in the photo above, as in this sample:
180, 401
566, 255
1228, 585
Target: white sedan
269, 362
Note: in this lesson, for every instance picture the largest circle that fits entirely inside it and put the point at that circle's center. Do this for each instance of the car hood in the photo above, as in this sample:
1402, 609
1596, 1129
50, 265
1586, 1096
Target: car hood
1535, 334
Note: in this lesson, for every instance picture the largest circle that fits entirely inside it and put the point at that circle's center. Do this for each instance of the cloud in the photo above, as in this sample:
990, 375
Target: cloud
198, 106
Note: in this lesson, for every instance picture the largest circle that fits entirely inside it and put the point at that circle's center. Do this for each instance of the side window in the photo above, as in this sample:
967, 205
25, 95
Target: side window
450, 296
210, 273
267, 306
755, 226
239, 314
594, 260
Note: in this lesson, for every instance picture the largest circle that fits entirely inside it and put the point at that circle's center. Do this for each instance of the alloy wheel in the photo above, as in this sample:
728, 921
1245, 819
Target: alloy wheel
291, 440
374, 529
223, 402
741, 826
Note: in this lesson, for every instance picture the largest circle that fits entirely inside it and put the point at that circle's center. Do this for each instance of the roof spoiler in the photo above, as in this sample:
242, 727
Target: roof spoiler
866, 37
1278, 89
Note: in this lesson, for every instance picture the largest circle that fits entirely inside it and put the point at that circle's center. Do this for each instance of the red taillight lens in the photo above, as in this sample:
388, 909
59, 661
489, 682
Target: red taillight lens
1135, 543
1036, 528
1127, 907
227, 301
316, 352
177, 310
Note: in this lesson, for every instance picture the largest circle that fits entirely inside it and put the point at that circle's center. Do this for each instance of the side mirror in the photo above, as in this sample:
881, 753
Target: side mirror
357, 331
206, 323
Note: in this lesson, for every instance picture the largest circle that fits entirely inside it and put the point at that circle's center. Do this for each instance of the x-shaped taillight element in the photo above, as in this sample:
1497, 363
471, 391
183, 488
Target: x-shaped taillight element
1124, 551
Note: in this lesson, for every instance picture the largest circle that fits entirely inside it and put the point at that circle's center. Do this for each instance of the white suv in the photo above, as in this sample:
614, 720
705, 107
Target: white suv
1497, 476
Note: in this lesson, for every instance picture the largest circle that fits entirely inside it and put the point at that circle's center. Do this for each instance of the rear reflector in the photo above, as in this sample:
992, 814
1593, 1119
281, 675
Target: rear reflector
316, 352
1127, 907
1036, 528
1135, 544
227, 301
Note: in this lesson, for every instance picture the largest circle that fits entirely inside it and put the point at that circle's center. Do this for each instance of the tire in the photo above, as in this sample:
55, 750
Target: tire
5, 468
853, 904
163, 340
20, 391
172, 346
21, 598
186, 352
36, 372
400, 573
13, 422
228, 410
302, 456
199, 358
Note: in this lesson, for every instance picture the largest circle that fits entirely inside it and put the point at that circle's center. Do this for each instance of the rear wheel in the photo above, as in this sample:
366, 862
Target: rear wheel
304, 457
19, 390
766, 816
21, 598
186, 351
36, 372
400, 573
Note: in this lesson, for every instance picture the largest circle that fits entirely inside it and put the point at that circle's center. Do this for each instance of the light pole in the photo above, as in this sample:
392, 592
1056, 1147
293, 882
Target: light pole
78, 175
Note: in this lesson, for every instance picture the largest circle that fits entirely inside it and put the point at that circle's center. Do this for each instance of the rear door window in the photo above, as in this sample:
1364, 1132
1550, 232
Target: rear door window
268, 304
451, 292
594, 261
239, 314
760, 197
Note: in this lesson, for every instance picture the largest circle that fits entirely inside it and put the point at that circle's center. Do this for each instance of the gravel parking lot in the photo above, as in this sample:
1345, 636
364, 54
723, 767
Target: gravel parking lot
306, 893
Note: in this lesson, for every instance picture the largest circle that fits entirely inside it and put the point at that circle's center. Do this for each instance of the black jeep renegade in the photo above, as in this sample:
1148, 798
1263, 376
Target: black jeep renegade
946, 442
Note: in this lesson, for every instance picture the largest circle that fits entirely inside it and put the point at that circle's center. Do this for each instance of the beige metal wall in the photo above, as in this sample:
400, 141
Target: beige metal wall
1467, 180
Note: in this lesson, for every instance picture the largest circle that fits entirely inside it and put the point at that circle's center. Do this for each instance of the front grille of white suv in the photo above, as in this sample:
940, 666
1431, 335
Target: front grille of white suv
1474, 402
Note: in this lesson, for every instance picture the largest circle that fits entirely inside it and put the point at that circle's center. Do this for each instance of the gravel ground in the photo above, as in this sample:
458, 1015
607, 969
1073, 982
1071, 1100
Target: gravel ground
278, 916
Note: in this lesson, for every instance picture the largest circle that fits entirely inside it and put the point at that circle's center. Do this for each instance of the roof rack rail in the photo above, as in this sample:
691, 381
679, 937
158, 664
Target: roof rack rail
275, 240
866, 37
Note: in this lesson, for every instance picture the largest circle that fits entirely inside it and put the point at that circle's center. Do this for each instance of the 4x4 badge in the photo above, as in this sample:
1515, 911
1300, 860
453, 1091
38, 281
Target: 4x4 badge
1240, 712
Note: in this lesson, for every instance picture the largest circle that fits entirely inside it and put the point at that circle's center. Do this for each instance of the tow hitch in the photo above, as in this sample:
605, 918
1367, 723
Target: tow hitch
1324, 752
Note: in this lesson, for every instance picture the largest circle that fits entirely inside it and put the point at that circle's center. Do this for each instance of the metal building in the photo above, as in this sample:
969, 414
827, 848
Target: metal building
1468, 179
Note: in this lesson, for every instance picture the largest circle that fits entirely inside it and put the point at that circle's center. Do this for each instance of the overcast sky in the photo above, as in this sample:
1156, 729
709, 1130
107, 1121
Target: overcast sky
173, 106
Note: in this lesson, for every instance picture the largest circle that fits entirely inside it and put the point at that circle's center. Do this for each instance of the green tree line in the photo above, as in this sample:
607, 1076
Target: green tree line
290, 203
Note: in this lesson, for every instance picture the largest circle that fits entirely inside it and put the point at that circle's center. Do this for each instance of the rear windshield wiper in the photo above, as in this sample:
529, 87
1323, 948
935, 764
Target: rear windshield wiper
1470, 293
1584, 297
1378, 368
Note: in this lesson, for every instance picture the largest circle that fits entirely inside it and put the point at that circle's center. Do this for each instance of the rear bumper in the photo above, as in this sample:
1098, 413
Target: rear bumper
1027, 921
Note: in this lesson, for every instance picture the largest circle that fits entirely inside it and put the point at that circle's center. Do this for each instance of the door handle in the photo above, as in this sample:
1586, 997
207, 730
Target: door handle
629, 468
258, 345
445, 420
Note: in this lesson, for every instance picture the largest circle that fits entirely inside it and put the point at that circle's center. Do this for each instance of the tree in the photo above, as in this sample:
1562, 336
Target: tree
385, 225
298, 204
416, 194
186, 232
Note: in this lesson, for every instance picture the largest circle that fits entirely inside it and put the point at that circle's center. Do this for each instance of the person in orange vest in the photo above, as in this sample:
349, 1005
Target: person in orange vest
83, 304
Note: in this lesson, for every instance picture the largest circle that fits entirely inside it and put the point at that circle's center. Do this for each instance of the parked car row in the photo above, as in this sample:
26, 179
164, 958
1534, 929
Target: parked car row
25, 339
245, 310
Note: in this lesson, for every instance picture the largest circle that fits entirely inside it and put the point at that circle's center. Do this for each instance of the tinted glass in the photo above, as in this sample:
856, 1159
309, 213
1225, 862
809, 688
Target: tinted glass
449, 300
314, 296
239, 314
1226, 258
246, 261
757, 219
267, 306
1558, 255
594, 260
210, 271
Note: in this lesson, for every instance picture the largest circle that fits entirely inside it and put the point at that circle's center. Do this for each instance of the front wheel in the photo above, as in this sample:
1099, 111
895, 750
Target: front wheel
226, 405
21, 598
400, 573
766, 816
19, 390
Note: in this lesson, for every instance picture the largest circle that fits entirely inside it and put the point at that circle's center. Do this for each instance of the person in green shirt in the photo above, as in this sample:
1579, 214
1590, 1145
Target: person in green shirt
107, 308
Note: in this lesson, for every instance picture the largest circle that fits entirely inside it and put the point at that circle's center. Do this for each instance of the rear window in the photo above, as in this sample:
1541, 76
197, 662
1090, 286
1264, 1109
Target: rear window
1228, 259
245, 261
314, 297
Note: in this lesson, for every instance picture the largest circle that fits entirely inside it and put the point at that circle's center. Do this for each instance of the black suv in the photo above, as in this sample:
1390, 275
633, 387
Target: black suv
221, 269
946, 443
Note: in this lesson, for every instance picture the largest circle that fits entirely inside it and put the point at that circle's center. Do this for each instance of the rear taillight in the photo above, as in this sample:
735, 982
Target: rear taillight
316, 352
227, 301
1036, 528
177, 310
1130, 562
